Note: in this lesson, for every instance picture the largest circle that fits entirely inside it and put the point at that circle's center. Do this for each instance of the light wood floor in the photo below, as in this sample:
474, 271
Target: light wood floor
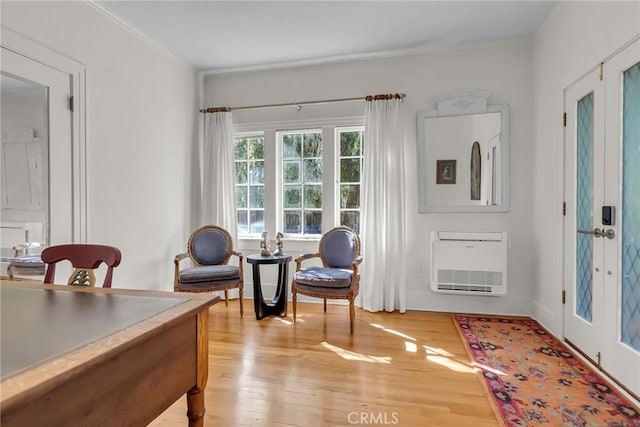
396, 369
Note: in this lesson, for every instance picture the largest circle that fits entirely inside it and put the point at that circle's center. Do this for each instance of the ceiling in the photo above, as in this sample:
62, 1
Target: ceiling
225, 36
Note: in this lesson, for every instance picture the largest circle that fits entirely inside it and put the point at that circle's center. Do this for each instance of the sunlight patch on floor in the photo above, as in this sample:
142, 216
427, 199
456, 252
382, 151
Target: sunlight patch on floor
444, 358
351, 355
451, 364
392, 331
410, 347
285, 321
437, 351
489, 368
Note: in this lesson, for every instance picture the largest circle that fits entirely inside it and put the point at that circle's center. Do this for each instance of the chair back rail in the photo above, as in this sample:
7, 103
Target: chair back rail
84, 258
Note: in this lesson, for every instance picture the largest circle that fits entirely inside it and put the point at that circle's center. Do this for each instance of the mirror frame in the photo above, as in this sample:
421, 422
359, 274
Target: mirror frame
456, 104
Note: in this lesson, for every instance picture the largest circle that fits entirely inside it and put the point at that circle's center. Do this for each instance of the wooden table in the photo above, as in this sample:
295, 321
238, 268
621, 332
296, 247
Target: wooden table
75, 355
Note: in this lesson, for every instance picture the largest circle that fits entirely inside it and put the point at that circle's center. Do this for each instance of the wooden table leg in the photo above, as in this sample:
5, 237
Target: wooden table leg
195, 396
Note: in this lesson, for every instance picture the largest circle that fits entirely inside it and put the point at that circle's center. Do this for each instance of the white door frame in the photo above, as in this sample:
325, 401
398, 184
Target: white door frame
34, 51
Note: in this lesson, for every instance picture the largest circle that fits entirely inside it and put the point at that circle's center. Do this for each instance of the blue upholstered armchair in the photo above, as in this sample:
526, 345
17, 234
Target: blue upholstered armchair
210, 248
338, 278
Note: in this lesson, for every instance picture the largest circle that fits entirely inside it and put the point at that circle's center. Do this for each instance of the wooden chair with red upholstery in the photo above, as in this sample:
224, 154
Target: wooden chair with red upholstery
84, 258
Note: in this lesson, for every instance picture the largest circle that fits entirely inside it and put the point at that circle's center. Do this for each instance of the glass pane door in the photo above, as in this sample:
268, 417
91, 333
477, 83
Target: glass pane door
630, 300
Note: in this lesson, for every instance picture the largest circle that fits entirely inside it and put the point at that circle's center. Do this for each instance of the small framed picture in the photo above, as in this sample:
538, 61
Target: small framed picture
446, 171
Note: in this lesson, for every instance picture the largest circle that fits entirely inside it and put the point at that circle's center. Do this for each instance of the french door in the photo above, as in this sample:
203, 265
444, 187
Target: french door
602, 222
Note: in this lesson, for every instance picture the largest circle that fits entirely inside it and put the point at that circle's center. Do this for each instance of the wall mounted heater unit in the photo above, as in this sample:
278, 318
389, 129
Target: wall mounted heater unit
469, 263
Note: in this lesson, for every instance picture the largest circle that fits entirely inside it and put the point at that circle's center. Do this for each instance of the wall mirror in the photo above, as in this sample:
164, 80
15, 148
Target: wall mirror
24, 163
463, 154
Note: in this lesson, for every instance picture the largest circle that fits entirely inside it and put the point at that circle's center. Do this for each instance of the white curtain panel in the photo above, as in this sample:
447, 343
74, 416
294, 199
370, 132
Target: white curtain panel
218, 187
383, 272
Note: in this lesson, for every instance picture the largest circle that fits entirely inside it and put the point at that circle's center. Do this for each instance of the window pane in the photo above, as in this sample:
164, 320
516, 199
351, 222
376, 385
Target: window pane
313, 196
256, 196
291, 170
350, 170
257, 221
350, 143
240, 148
312, 145
292, 222
313, 222
313, 170
351, 219
256, 148
291, 146
350, 196
241, 172
243, 224
292, 196
256, 174
241, 197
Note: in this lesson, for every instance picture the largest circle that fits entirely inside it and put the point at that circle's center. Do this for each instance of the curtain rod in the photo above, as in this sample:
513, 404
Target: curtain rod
298, 105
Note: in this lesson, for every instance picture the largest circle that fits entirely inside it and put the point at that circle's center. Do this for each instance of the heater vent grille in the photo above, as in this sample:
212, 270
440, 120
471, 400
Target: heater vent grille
475, 266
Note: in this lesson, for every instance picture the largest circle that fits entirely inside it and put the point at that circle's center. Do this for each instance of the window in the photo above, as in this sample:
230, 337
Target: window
301, 182
350, 164
249, 167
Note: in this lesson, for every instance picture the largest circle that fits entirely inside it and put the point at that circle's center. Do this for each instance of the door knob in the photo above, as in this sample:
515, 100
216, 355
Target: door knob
608, 233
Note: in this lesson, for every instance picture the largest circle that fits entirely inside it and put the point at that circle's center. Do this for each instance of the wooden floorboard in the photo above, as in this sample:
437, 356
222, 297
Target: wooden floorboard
406, 369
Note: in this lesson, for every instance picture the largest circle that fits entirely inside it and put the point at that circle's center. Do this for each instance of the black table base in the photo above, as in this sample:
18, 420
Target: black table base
278, 306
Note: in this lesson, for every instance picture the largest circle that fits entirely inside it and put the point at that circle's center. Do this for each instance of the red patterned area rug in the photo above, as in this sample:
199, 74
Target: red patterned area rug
533, 379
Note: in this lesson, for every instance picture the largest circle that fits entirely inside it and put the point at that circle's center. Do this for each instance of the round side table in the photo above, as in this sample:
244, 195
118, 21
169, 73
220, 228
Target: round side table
278, 306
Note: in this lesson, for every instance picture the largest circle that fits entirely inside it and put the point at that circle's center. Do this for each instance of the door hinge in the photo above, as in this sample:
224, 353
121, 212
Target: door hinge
564, 296
71, 103
564, 120
601, 71
564, 208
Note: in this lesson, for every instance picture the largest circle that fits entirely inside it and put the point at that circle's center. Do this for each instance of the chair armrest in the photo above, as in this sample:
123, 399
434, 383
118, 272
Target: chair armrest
176, 262
303, 257
180, 257
355, 264
240, 256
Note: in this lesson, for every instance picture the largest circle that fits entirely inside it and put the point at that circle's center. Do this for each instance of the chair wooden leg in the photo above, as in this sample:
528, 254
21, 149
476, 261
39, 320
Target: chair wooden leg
226, 298
294, 300
325, 305
352, 315
241, 296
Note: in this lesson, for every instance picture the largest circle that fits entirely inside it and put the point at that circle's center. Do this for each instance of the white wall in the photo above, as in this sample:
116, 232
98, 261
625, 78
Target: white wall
505, 69
574, 38
140, 126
